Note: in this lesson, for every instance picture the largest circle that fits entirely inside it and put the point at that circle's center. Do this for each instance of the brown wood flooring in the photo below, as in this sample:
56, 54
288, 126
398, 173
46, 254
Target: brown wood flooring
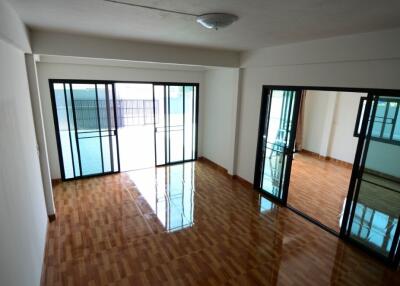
319, 188
191, 225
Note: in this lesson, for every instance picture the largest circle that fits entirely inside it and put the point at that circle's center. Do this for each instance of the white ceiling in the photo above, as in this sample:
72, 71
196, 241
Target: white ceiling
261, 22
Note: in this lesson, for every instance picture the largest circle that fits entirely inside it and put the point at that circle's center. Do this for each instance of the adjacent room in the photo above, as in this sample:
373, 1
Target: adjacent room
325, 148
189, 142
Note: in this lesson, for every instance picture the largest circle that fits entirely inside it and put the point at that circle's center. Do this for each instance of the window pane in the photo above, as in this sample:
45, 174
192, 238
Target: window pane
176, 123
189, 122
377, 209
88, 128
64, 132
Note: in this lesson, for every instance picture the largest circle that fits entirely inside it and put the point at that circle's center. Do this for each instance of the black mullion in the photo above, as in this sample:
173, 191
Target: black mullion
295, 102
197, 121
169, 124
165, 125
193, 112
57, 129
288, 101
395, 242
76, 128
155, 129
183, 139
384, 119
396, 245
394, 120
109, 127
69, 130
99, 127
396, 261
354, 175
264, 127
183, 191
116, 124
362, 167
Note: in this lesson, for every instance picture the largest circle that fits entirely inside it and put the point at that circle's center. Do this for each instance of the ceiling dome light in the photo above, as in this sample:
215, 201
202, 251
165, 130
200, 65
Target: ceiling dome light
216, 20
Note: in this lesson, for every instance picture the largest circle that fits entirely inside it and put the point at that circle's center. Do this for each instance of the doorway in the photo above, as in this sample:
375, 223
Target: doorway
325, 147
369, 204
104, 127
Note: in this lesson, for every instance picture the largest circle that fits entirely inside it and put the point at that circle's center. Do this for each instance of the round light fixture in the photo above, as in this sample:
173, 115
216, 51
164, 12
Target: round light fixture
216, 20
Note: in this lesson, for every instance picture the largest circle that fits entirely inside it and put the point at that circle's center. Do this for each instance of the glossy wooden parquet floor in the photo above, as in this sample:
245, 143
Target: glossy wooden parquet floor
319, 188
191, 225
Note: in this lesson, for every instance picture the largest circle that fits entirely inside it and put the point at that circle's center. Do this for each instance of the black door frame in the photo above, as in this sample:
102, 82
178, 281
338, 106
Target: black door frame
113, 82
355, 183
56, 126
288, 152
195, 118
353, 188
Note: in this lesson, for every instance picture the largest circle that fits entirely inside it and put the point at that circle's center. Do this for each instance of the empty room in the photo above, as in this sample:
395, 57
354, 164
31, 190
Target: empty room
199, 142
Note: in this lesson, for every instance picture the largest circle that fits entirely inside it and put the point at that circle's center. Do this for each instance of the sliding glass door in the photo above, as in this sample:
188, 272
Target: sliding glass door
276, 141
89, 119
372, 211
84, 116
175, 130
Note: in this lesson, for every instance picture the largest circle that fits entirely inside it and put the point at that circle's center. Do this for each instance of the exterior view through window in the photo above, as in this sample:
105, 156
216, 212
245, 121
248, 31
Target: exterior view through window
106, 127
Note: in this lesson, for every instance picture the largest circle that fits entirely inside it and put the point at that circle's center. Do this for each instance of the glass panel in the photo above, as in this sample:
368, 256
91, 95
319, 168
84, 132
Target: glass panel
107, 159
396, 133
105, 123
271, 182
175, 108
90, 155
86, 113
72, 130
189, 122
276, 140
115, 153
194, 138
160, 123
64, 132
378, 120
377, 210
389, 120
135, 125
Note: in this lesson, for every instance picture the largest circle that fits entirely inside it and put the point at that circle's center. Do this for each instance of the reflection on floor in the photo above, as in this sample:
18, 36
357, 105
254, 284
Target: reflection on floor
169, 195
319, 188
377, 212
115, 230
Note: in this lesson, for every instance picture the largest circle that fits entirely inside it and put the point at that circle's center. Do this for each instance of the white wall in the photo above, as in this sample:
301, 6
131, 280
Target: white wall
23, 218
318, 110
74, 45
329, 122
367, 60
343, 144
48, 71
384, 158
12, 30
219, 116
40, 133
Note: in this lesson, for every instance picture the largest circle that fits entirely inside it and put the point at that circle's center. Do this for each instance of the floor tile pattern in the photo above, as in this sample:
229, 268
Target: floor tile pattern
165, 227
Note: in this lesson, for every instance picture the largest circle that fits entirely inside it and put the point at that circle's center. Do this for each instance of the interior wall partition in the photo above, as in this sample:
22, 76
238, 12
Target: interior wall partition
372, 208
